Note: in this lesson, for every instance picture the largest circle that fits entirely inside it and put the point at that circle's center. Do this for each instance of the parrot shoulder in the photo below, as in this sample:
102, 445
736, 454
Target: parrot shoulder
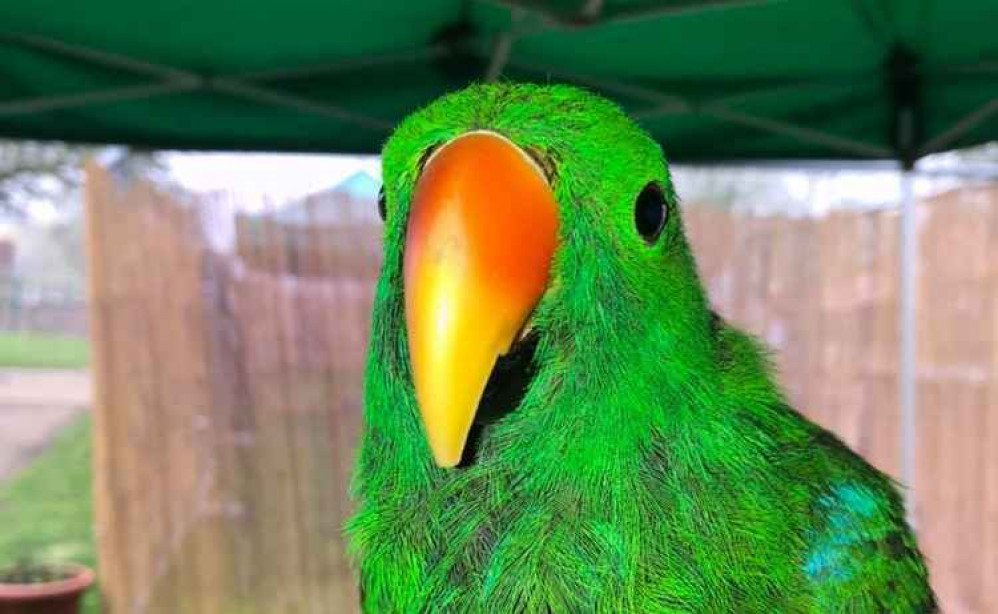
861, 555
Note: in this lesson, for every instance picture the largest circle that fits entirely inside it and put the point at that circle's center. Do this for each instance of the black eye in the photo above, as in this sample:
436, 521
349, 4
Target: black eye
650, 213
381, 203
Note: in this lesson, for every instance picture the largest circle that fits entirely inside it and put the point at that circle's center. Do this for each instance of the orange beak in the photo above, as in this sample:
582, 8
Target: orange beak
481, 236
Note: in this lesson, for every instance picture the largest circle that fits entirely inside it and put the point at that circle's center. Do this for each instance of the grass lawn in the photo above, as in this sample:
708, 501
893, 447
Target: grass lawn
42, 351
46, 509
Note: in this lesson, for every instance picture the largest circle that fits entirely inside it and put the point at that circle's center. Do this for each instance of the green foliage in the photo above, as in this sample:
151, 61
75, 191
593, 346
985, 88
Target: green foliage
46, 513
39, 350
652, 465
29, 571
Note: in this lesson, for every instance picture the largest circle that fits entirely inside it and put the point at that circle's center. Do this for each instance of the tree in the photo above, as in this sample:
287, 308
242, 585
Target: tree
33, 173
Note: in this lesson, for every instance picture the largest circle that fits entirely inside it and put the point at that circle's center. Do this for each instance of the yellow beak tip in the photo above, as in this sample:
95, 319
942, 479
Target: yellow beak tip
448, 461
447, 452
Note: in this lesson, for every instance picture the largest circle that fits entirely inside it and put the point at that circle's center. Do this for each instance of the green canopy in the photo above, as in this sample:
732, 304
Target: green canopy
712, 79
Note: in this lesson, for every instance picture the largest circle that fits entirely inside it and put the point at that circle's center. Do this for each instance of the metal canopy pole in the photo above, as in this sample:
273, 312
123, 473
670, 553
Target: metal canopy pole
904, 79
907, 380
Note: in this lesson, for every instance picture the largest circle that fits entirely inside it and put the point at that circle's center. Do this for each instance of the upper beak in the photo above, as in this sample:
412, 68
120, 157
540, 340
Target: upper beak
481, 235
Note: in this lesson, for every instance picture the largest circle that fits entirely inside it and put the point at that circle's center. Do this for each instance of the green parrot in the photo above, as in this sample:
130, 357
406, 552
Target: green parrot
556, 421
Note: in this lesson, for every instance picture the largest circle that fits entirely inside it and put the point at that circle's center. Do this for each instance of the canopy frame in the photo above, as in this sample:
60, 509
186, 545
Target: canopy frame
166, 80
258, 87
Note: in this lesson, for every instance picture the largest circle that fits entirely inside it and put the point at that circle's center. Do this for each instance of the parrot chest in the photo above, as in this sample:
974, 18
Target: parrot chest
556, 557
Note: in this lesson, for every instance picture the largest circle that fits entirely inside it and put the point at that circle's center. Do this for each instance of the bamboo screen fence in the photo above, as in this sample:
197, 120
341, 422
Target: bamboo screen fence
229, 355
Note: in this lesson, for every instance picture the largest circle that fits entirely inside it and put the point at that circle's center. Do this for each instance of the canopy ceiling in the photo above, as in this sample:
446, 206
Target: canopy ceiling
711, 79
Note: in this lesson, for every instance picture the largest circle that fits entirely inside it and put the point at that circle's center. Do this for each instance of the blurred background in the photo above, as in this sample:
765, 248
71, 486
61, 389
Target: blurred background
232, 306
183, 326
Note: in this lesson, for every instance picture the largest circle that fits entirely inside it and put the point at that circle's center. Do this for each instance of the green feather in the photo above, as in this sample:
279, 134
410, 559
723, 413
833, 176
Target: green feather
652, 465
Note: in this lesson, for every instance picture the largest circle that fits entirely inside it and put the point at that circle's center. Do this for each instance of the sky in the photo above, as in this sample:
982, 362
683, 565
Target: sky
259, 177
259, 180
255, 181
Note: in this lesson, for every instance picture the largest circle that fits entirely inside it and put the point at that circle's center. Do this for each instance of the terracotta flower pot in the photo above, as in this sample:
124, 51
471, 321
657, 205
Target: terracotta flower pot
55, 597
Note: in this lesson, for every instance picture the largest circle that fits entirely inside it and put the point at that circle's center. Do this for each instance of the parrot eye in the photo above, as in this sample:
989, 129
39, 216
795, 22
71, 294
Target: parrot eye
381, 203
650, 213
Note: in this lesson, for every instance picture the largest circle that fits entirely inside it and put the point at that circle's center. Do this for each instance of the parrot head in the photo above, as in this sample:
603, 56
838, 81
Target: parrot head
533, 245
